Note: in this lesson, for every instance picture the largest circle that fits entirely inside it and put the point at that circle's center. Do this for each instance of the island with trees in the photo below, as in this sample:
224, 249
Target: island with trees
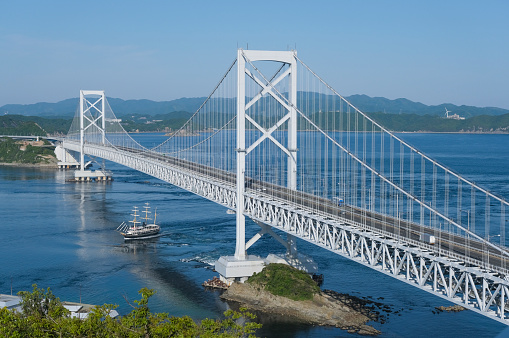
40, 153
282, 290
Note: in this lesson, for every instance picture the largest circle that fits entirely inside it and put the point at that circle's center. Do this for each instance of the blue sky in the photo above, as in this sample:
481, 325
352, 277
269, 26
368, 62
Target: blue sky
428, 51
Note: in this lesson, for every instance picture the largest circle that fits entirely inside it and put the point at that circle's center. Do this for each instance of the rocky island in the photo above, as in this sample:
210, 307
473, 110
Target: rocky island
285, 291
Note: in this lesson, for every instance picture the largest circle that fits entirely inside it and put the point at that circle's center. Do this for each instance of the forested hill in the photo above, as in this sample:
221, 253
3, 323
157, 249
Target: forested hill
67, 108
122, 108
403, 106
31, 125
41, 126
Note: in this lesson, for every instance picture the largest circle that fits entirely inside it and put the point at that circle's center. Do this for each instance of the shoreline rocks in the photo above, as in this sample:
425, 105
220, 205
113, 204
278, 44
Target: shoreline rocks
328, 308
31, 165
452, 308
215, 283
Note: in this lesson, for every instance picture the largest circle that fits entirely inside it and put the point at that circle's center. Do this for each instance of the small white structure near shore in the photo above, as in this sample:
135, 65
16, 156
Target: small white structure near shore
65, 159
10, 302
77, 310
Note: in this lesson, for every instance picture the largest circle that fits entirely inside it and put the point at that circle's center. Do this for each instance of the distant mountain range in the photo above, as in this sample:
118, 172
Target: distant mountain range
403, 106
67, 108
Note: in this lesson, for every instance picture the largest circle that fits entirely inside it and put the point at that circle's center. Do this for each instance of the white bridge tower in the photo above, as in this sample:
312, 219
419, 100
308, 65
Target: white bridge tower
241, 266
93, 126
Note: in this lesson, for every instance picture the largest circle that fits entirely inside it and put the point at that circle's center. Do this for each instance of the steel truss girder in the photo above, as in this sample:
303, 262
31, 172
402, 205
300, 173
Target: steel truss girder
474, 288
216, 191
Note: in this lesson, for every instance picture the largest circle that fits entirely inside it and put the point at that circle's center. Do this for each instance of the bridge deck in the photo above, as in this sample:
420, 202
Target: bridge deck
472, 251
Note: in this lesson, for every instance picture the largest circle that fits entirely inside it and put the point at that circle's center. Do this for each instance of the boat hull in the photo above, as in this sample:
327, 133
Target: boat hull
142, 237
140, 233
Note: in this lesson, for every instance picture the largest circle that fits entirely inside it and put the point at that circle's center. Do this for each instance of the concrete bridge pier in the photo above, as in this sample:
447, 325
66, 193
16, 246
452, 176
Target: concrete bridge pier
65, 159
92, 175
239, 269
231, 269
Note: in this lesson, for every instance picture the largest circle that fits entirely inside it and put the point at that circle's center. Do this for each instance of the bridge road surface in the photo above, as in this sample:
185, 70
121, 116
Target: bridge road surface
300, 200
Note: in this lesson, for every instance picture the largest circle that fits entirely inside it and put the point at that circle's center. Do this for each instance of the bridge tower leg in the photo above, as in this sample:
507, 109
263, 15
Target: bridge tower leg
292, 146
82, 131
241, 265
240, 246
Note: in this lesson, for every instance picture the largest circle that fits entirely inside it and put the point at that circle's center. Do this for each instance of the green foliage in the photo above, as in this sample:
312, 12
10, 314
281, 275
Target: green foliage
19, 125
286, 281
147, 123
33, 125
229, 327
52, 126
43, 315
10, 152
41, 303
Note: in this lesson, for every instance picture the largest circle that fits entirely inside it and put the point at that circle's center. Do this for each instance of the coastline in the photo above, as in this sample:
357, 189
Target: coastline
30, 165
422, 132
495, 132
451, 132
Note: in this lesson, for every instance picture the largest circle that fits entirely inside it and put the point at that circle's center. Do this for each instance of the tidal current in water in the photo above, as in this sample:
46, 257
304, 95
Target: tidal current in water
62, 235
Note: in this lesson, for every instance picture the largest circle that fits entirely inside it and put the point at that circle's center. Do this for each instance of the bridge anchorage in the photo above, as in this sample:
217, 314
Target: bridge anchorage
294, 156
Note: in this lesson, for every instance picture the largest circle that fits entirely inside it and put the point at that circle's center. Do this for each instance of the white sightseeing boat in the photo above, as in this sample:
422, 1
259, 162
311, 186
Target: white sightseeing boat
139, 227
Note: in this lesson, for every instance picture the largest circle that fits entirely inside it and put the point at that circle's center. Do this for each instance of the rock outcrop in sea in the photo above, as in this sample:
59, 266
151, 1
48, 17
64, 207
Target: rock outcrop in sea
325, 308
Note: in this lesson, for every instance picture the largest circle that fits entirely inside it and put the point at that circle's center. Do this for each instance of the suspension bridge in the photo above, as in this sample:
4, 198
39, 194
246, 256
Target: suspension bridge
275, 143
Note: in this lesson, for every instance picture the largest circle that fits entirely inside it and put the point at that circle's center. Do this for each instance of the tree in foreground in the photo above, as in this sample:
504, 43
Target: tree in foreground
43, 315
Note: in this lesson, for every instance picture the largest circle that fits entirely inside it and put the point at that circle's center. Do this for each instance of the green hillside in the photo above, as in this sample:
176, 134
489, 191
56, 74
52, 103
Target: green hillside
67, 108
161, 122
33, 125
11, 152
39, 126
286, 281
404, 106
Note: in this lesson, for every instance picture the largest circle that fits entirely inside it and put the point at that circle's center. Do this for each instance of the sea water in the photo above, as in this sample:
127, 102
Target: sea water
62, 235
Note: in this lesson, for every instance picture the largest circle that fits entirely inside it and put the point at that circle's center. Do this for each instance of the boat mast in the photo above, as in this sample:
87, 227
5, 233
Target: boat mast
146, 211
135, 214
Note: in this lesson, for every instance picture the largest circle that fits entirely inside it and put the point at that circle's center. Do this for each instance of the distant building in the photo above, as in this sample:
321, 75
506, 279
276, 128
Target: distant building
114, 120
453, 116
